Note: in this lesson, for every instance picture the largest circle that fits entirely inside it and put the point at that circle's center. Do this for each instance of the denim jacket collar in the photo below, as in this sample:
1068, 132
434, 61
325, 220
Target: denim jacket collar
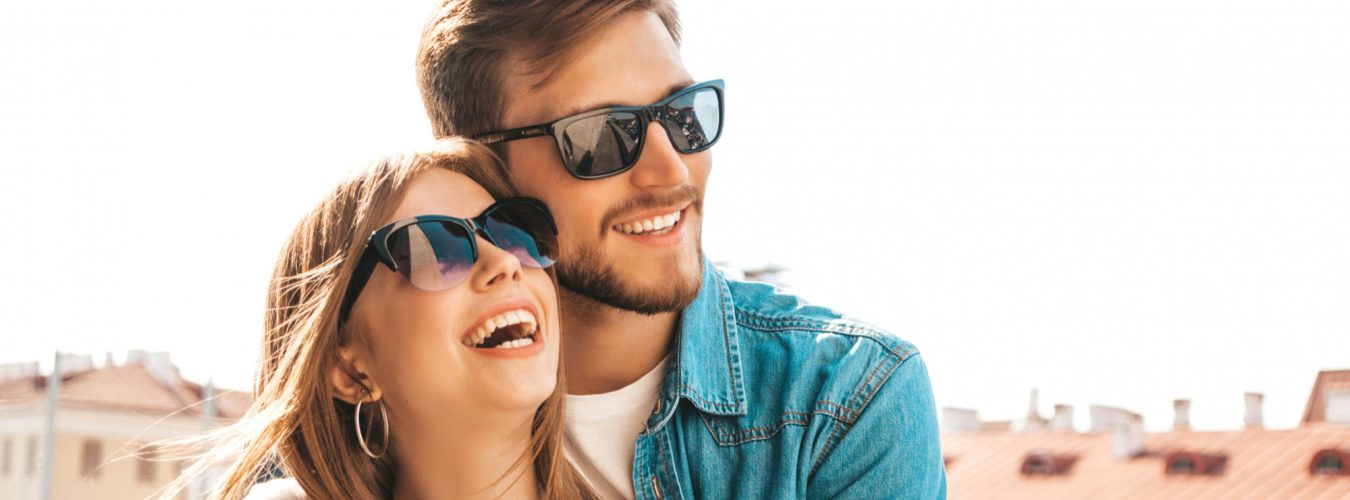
707, 368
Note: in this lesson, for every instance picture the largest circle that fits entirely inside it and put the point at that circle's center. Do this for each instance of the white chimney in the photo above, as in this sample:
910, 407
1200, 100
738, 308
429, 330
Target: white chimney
960, 420
18, 370
1127, 438
1063, 419
1337, 407
135, 357
159, 365
1034, 421
1182, 421
1106, 418
75, 363
1253, 416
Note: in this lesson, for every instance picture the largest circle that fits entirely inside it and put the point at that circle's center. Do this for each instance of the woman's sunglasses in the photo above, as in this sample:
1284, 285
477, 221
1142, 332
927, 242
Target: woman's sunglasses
437, 252
608, 141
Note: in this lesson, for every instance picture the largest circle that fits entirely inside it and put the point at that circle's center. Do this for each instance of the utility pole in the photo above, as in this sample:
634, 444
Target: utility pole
49, 445
203, 484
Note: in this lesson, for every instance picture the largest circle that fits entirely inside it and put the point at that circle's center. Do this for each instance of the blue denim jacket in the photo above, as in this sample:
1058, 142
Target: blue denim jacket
768, 397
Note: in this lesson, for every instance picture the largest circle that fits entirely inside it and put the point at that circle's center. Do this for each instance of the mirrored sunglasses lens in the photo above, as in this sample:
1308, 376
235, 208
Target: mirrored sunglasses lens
602, 144
432, 255
524, 231
694, 119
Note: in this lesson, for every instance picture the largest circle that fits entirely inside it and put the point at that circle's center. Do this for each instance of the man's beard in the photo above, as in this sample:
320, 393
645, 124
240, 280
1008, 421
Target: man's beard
585, 272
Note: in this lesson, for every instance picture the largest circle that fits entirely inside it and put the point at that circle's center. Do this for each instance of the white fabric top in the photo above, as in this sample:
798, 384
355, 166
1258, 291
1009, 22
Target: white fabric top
602, 429
285, 488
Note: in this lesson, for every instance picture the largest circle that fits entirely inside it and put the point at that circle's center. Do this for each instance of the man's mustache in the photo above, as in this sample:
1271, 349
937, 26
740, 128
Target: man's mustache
678, 196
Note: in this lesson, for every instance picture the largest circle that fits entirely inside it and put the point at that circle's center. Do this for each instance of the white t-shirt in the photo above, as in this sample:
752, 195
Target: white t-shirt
602, 429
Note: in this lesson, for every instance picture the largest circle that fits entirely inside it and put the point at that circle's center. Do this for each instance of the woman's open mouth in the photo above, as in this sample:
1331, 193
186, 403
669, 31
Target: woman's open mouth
512, 329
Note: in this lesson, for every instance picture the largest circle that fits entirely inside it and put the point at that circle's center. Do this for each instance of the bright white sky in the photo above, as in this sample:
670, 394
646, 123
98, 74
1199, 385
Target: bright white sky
1118, 204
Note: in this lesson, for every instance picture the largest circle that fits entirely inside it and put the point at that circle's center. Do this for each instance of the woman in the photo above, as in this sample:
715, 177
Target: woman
411, 346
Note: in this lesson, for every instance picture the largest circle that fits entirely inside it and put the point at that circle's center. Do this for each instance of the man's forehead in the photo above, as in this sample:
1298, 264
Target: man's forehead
633, 62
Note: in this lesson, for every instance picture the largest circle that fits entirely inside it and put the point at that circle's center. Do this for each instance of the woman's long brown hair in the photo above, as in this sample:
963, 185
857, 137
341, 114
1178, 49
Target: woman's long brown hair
295, 422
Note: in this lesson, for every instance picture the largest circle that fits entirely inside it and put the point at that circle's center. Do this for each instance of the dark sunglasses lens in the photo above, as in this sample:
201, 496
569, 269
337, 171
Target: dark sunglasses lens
694, 120
602, 144
432, 255
524, 231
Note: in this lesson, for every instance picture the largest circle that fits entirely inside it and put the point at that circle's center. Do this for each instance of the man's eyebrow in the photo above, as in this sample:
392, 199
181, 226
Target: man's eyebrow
610, 104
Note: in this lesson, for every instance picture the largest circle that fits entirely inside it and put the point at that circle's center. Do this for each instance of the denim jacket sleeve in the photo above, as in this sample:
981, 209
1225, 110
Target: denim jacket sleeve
892, 450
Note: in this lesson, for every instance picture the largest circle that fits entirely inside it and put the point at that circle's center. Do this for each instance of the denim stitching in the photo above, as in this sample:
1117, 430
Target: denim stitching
845, 413
884, 378
767, 324
694, 397
830, 442
866, 388
727, 437
726, 340
663, 450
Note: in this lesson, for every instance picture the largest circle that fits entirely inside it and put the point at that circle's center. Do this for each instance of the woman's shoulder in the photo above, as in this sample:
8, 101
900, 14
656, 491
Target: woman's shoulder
285, 488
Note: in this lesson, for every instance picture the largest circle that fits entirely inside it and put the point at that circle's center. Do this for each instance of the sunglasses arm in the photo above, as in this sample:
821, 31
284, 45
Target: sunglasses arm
364, 268
513, 134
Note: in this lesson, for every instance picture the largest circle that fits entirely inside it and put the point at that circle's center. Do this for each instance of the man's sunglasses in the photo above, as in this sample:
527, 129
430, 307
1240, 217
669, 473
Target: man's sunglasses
437, 252
608, 141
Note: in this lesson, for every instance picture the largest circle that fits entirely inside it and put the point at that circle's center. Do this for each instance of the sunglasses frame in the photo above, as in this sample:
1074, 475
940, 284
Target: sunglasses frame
647, 114
377, 245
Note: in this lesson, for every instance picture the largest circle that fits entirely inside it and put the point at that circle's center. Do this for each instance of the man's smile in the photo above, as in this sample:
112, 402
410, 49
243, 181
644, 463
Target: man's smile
655, 225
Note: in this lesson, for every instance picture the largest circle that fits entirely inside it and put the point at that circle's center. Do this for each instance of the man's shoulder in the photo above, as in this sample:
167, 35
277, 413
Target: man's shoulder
766, 309
824, 362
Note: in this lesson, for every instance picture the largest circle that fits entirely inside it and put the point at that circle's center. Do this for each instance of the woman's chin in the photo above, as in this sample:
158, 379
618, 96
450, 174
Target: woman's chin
523, 391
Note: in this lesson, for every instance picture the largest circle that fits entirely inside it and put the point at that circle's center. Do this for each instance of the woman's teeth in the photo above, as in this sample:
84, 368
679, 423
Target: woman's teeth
655, 225
516, 344
495, 324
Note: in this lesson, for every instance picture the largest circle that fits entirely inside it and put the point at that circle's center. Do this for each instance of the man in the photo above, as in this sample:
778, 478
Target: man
682, 384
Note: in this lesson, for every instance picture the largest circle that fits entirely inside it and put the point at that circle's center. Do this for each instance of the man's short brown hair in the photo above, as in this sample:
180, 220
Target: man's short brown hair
460, 62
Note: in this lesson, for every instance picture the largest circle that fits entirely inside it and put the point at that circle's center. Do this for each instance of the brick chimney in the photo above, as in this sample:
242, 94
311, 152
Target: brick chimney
1182, 421
1252, 419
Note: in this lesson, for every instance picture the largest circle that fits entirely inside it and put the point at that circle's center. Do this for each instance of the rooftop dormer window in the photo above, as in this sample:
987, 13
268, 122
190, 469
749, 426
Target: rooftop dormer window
1040, 464
1181, 465
1185, 463
1330, 463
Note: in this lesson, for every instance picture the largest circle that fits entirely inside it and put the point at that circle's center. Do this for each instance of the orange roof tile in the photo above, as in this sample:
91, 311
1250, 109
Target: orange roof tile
1260, 464
129, 387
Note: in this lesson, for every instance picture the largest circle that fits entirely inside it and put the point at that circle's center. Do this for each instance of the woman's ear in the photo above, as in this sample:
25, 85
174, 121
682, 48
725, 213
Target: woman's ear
350, 378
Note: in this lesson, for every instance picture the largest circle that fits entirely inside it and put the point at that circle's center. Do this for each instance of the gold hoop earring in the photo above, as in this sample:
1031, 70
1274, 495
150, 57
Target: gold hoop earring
360, 436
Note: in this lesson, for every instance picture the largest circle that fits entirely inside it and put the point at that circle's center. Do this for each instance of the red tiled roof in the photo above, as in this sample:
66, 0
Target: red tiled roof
129, 387
1327, 381
1260, 464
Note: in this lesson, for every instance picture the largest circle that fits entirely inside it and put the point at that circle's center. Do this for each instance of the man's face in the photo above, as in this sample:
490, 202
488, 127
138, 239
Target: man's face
605, 253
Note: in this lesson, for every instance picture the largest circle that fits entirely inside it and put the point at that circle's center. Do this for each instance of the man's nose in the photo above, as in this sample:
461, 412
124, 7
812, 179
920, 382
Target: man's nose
660, 165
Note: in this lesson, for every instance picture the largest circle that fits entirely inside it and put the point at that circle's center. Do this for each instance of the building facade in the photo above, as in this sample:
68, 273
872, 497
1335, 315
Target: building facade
105, 418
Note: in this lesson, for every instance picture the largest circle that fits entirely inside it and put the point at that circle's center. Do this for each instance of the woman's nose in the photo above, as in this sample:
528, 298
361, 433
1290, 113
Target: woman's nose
494, 267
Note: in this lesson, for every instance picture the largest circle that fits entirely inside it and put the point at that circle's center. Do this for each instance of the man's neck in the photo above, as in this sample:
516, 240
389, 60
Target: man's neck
470, 457
610, 348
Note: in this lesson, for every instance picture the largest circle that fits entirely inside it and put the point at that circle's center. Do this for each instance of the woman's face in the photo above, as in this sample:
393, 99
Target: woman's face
421, 344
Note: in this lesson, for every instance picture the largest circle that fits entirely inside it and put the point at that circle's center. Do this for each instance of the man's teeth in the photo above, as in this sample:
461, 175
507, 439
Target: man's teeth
503, 320
654, 224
